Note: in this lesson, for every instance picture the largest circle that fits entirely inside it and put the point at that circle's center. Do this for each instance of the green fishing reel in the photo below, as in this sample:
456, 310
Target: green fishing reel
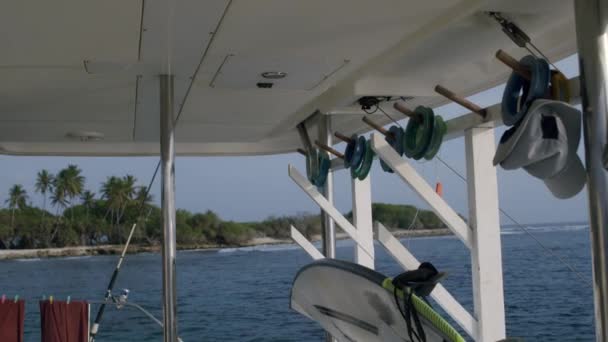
317, 167
395, 140
361, 170
424, 135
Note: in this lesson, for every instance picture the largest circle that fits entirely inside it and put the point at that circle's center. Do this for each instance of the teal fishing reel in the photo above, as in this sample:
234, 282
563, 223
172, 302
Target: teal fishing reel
317, 167
424, 134
359, 157
394, 138
422, 137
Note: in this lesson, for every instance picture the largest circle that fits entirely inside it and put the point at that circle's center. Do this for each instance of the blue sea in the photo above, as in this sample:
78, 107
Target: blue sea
243, 294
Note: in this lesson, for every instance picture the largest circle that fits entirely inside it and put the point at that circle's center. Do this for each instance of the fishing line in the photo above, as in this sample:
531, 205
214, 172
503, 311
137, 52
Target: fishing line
519, 225
412, 224
543, 55
525, 230
388, 116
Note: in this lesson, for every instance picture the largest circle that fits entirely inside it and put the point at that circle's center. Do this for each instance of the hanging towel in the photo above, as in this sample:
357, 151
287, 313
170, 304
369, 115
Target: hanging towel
11, 321
63, 322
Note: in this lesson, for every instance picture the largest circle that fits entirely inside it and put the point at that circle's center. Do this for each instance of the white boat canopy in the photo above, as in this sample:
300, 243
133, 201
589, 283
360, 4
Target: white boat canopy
81, 77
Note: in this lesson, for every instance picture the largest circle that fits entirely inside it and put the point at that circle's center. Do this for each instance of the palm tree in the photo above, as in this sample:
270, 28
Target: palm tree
110, 191
74, 182
58, 198
118, 193
68, 184
88, 200
143, 197
17, 198
44, 184
127, 193
129, 186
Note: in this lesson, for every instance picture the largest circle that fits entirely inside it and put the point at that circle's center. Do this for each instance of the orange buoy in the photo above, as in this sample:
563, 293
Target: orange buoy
439, 189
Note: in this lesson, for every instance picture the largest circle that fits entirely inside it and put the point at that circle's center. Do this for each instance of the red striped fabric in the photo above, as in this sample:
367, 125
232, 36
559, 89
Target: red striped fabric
11, 320
63, 322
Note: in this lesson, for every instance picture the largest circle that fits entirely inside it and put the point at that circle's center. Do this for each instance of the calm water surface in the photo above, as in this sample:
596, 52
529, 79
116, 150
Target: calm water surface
243, 294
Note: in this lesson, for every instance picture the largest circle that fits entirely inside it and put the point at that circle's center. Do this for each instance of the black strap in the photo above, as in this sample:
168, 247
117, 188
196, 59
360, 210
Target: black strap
409, 312
419, 329
420, 281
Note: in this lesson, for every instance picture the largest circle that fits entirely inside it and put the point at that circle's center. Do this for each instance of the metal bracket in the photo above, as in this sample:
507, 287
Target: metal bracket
304, 137
517, 35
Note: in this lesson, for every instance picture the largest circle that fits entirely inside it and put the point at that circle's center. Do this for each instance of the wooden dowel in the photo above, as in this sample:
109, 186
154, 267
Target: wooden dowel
376, 127
461, 101
513, 64
330, 150
400, 107
343, 137
301, 151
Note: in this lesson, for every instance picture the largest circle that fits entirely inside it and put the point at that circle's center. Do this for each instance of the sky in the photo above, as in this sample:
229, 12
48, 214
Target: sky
253, 188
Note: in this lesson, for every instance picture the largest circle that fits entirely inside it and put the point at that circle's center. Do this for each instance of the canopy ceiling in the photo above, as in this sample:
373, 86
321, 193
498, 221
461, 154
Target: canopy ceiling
72, 68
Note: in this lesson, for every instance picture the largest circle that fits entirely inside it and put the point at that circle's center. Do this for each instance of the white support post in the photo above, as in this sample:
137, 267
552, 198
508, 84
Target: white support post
484, 220
409, 262
305, 244
362, 220
409, 175
327, 207
328, 228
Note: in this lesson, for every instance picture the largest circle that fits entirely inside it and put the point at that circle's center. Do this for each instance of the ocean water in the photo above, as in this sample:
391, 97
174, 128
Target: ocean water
243, 294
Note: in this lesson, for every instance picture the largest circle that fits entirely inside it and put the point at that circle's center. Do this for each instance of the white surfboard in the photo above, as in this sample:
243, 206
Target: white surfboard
354, 303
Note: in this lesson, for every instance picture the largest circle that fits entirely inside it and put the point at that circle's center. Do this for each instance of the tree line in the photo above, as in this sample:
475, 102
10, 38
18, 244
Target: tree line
72, 215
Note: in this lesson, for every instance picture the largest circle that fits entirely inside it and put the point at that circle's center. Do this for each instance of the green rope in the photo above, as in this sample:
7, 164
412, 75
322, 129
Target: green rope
427, 312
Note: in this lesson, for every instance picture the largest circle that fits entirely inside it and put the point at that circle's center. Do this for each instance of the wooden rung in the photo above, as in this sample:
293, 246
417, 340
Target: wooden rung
407, 112
376, 126
513, 64
330, 150
461, 101
343, 137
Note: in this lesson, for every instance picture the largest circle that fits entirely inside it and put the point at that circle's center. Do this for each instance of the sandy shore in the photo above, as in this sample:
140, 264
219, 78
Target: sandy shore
133, 249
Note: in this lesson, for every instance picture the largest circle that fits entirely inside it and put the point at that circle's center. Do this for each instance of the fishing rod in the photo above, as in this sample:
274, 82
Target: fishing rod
108, 295
102, 307
122, 302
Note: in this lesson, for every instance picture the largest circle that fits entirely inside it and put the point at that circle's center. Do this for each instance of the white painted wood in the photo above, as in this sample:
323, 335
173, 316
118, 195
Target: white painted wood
362, 220
409, 175
409, 262
322, 202
53, 75
484, 220
306, 245
457, 125
337, 164
345, 90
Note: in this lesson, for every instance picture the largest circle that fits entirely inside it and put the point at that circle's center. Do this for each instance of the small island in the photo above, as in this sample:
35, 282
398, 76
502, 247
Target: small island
76, 221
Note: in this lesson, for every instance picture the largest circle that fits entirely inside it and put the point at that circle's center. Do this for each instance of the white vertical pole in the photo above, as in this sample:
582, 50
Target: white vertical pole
592, 36
484, 220
362, 220
167, 152
327, 223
